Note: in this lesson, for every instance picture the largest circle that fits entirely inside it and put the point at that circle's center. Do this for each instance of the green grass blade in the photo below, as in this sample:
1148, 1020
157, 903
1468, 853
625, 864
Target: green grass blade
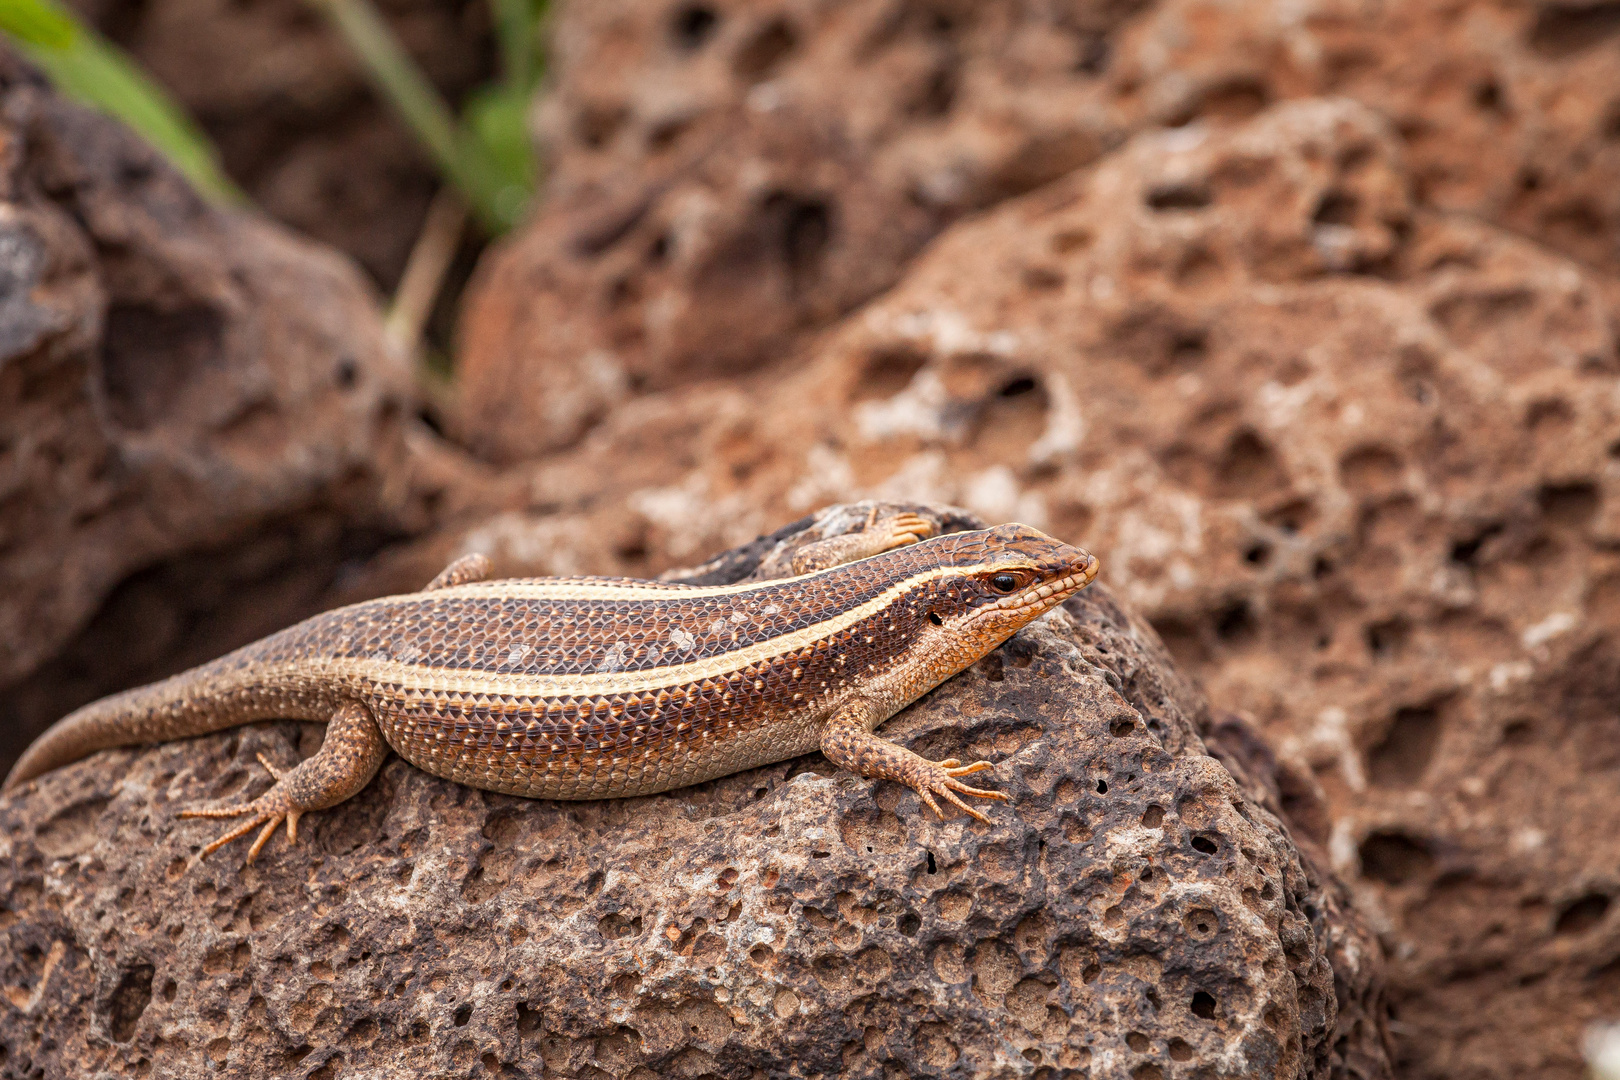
83, 66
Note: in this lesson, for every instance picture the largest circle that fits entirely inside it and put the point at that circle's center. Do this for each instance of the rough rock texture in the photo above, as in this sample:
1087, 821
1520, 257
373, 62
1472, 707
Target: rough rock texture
173, 380
297, 125
730, 177
1132, 913
725, 177
1355, 458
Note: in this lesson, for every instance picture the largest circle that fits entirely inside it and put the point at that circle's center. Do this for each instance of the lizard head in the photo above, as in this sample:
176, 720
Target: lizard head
997, 580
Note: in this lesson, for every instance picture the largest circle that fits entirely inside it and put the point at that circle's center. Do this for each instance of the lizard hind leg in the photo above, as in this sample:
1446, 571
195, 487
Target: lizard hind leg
349, 757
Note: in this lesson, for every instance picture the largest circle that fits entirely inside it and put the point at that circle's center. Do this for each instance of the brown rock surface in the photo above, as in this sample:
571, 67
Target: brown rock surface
726, 177
730, 177
1356, 459
174, 381
1132, 913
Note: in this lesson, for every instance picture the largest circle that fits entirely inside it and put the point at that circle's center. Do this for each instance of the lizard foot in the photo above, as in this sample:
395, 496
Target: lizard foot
901, 529
349, 757
268, 810
875, 537
939, 778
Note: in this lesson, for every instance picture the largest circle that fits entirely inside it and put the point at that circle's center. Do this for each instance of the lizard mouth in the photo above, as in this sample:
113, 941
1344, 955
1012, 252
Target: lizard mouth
1049, 594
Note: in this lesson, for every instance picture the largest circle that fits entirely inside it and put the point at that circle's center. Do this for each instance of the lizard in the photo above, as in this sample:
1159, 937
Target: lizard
593, 687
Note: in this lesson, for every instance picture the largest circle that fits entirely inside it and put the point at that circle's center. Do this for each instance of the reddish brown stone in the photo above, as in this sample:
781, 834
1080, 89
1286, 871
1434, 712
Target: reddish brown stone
1132, 912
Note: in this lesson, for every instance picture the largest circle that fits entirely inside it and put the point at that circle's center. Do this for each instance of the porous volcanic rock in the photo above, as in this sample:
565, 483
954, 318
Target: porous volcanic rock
174, 379
724, 177
728, 177
1131, 913
1355, 459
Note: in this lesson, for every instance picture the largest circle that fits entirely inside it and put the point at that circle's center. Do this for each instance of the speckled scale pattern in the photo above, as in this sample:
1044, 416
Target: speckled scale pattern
485, 627
590, 687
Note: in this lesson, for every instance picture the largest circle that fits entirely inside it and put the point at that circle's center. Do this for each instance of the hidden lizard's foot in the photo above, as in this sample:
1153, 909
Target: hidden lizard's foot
930, 778
268, 810
877, 536
901, 529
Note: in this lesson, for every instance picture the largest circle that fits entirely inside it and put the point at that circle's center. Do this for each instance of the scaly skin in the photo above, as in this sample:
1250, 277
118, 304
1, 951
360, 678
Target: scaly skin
589, 688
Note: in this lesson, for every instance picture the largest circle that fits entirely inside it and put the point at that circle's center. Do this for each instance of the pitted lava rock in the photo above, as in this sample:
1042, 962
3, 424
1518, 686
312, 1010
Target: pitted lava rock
728, 178
174, 380
1354, 457
1131, 913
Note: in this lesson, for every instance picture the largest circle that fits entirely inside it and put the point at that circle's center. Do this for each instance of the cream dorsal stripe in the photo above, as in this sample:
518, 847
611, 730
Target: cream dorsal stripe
463, 681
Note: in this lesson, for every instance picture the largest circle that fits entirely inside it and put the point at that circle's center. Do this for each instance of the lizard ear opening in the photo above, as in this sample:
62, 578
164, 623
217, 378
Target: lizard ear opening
933, 617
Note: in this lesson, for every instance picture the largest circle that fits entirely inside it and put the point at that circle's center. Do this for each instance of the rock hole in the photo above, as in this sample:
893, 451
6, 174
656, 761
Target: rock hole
1388, 639
1336, 208
1563, 29
1488, 96
1153, 817
1204, 844
1569, 505
1466, 551
1203, 1005
887, 372
933, 617
1180, 1050
1102, 787
910, 924
1582, 915
804, 227
1178, 197
1201, 923
1136, 1041
1015, 387
1257, 554
129, 1000
1401, 758
348, 373
1236, 623
1394, 858
1518, 732
1147, 1071
771, 45
932, 868
463, 1015
693, 26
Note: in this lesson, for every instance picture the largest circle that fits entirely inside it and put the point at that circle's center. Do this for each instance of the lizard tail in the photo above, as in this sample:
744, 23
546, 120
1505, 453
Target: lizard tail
195, 702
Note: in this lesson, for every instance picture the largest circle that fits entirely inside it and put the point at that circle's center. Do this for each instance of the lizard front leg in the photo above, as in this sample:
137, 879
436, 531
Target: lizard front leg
848, 741
349, 757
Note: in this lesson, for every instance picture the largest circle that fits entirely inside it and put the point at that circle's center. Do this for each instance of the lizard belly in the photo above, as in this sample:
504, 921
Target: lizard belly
595, 747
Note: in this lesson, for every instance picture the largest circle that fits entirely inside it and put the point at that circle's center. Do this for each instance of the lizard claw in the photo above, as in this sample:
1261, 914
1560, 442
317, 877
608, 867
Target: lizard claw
268, 810
942, 782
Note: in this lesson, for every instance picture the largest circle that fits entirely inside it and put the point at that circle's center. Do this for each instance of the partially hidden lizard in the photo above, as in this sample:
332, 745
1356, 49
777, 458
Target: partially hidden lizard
590, 688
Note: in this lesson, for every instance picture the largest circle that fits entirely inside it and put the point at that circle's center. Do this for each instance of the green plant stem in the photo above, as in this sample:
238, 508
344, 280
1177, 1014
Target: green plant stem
420, 105
514, 25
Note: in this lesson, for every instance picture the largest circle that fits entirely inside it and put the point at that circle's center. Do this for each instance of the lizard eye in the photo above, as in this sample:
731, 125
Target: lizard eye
1004, 583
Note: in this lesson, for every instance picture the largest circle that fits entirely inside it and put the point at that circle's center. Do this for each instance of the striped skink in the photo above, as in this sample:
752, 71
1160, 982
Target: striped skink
590, 688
